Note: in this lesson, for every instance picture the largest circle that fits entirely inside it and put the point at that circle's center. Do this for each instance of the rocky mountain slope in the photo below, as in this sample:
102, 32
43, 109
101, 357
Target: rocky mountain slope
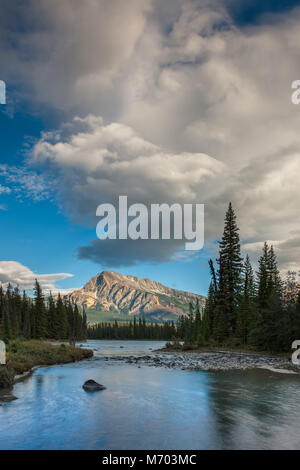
110, 295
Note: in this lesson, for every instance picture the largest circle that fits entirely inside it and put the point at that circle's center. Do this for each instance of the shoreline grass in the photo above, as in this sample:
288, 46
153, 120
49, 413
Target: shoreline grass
23, 355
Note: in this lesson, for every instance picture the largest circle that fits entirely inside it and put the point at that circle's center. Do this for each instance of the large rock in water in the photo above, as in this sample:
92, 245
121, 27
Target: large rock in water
92, 386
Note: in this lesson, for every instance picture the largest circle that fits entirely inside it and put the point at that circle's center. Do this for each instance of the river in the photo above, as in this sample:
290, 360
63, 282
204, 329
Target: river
147, 407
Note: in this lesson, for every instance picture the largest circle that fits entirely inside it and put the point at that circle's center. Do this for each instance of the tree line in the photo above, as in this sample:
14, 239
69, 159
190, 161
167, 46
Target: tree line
243, 308
39, 317
136, 329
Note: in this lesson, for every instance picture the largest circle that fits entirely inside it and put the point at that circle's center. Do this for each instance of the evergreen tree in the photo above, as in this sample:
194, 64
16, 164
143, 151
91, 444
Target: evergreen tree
6, 329
230, 262
213, 276
246, 312
40, 312
32, 320
84, 325
62, 319
262, 278
77, 324
26, 326
221, 317
16, 312
209, 313
275, 282
199, 335
271, 325
22, 316
189, 330
53, 322
14, 323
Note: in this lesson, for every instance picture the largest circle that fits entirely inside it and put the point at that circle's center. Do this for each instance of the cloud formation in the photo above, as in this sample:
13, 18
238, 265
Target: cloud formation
105, 161
193, 107
97, 165
23, 182
64, 49
21, 276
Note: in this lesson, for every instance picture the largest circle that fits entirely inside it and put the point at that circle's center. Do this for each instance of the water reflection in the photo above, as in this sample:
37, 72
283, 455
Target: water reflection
150, 408
257, 409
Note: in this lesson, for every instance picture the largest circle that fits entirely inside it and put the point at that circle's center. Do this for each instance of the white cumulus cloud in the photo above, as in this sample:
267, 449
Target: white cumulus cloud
194, 107
16, 274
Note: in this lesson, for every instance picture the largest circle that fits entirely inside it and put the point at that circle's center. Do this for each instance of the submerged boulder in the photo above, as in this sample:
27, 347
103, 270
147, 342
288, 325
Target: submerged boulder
92, 386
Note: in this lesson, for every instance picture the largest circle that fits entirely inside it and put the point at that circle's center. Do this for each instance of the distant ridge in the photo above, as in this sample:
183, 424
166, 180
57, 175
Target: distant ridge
110, 295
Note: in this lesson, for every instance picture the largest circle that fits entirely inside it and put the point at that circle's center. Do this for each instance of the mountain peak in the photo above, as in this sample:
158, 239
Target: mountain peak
112, 295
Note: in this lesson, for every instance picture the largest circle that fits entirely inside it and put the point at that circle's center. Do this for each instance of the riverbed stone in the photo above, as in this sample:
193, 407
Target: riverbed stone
212, 361
92, 386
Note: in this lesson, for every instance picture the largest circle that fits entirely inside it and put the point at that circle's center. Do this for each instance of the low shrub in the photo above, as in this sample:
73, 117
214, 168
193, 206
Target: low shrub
6, 376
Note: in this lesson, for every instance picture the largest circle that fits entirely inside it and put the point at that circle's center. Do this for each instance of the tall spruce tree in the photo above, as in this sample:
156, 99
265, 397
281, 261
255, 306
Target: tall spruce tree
275, 282
221, 317
32, 320
26, 326
209, 313
62, 319
271, 326
246, 312
199, 335
40, 313
53, 326
77, 324
230, 263
84, 325
263, 290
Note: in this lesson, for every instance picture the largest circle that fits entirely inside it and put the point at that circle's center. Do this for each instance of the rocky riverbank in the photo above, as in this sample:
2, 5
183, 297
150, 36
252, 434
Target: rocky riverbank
211, 361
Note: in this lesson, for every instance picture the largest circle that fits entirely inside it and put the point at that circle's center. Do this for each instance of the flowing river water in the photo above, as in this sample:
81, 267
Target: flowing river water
146, 407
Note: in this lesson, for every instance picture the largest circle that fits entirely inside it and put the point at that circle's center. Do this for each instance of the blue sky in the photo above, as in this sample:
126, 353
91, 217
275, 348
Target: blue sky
186, 104
40, 236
